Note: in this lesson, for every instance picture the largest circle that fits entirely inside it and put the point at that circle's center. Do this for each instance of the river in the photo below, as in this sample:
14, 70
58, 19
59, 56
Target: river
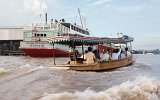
27, 78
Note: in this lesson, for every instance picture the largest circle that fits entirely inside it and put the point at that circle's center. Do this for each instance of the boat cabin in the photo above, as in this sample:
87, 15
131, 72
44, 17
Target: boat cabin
76, 30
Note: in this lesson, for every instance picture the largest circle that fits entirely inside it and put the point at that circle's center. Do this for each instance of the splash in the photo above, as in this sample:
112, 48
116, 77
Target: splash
143, 88
2, 70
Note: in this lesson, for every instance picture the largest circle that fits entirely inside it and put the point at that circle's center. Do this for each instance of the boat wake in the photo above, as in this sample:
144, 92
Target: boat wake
142, 88
3, 70
17, 72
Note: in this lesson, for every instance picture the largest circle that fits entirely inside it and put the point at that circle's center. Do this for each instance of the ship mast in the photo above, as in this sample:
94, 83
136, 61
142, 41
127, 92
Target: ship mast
80, 17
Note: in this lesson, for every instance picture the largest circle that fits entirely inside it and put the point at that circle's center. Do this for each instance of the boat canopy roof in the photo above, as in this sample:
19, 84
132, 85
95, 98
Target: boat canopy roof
118, 40
69, 40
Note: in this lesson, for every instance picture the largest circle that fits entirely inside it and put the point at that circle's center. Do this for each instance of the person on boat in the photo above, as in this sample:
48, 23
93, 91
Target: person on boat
73, 55
128, 54
89, 56
85, 52
116, 54
96, 54
122, 55
78, 57
105, 55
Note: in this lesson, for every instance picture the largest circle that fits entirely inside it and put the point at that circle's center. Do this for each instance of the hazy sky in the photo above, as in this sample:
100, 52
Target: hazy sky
137, 18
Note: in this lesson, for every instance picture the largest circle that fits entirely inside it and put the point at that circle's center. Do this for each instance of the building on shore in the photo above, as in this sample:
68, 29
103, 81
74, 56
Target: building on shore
10, 38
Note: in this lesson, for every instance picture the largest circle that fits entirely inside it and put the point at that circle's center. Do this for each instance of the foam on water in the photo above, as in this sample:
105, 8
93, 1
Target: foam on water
37, 68
143, 88
2, 70
18, 72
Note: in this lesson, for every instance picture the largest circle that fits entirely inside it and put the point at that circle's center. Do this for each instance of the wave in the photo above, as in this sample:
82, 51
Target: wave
142, 88
18, 72
3, 70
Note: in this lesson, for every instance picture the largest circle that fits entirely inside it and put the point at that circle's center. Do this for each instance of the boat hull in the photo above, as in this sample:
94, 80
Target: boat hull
42, 52
43, 49
97, 66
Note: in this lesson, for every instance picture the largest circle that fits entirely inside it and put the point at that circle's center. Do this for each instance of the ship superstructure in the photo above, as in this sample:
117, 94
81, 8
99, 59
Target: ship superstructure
35, 38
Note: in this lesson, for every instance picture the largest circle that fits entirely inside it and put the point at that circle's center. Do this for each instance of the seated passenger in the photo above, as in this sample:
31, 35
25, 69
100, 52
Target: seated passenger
73, 55
128, 54
85, 52
122, 55
96, 54
89, 56
116, 54
105, 56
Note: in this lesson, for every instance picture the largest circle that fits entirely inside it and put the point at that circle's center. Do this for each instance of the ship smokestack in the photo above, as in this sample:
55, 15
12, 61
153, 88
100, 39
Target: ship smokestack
46, 18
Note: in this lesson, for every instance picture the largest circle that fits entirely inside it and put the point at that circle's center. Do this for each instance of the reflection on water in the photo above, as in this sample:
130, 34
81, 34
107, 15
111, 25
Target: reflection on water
30, 79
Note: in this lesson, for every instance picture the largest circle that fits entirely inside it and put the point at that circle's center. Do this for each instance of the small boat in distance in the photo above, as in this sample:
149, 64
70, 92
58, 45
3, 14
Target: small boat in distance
90, 41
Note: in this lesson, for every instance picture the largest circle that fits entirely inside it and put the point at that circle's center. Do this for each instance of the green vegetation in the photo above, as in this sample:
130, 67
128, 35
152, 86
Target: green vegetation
155, 51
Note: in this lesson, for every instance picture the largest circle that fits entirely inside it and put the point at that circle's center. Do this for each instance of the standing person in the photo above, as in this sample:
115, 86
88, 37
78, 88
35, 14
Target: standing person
116, 54
122, 55
105, 55
128, 54
89, 56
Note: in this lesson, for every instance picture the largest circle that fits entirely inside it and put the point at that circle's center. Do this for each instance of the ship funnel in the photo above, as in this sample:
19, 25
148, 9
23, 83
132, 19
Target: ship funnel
46, 18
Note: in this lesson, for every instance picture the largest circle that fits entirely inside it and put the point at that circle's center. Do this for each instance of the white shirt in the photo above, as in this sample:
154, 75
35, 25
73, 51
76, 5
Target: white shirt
128, 54
123, 56
116, 55
89, 57
105, 57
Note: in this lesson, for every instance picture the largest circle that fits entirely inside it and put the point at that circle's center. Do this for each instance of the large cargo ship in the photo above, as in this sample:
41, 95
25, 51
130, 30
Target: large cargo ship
35, 37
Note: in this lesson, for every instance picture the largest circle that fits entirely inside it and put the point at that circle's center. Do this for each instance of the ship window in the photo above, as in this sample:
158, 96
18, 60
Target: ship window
44, 35
41, 35
38, 35
35, 35
71, 27
80, 31
66, 30
83, 31
87, 33
58, 34
74, 28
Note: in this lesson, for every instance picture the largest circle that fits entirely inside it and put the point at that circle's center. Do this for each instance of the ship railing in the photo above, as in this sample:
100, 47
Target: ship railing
40, 26
53, 26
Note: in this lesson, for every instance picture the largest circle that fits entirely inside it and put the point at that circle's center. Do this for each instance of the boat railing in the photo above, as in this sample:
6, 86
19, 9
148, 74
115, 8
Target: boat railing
120, 59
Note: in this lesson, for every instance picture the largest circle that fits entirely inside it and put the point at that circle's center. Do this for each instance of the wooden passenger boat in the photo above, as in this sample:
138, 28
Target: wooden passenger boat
97, 65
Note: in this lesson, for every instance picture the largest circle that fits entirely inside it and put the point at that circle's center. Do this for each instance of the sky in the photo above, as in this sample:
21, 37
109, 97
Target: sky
139, 19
